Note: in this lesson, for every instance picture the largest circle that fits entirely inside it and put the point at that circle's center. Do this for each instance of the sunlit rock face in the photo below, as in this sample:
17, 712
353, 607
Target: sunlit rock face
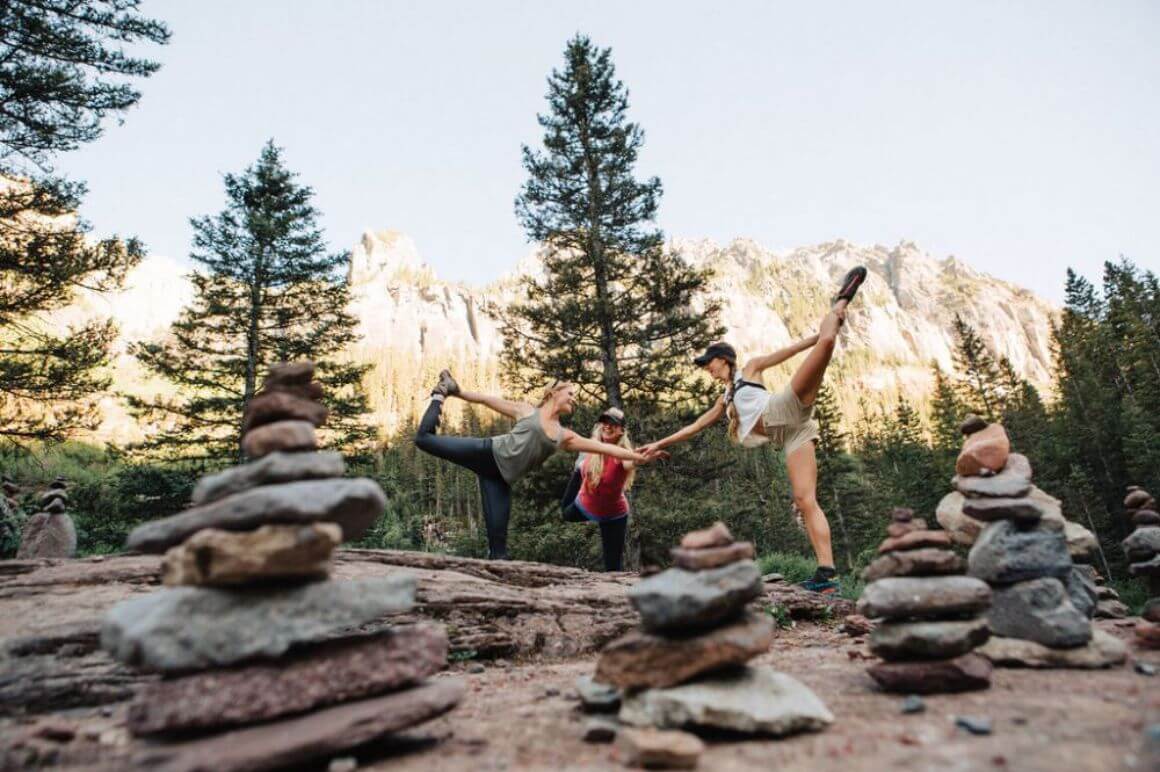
413, 324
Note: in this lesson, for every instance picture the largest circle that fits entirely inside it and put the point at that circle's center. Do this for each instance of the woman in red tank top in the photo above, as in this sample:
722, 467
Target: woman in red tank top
596, 491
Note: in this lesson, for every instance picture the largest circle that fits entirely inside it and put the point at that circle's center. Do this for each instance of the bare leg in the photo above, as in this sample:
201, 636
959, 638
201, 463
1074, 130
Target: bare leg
808, 378
802, 466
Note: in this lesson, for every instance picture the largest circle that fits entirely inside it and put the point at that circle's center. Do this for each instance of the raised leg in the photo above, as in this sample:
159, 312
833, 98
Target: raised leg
802, 466
472, 453
808, 378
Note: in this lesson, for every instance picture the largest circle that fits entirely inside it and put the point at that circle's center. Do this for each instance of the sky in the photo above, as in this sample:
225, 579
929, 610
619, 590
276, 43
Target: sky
1020, 137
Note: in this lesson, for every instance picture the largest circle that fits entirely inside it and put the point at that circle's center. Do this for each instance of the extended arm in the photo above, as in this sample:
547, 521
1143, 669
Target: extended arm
574, 442
508, 407
708, 418
754, 367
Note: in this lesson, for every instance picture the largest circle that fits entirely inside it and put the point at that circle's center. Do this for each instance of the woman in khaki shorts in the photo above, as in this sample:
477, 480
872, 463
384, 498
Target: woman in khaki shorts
784, 418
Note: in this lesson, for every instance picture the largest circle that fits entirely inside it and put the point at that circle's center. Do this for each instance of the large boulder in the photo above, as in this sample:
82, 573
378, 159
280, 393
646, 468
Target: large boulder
48, 535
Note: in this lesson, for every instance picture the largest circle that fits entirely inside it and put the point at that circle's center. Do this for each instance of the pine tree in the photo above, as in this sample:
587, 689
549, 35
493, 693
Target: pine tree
62, 72
946, 412
979, 384
613, 311
268, 292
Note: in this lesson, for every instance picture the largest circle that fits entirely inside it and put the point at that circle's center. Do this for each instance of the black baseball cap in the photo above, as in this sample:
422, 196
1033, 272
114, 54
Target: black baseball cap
718, 349
612, 416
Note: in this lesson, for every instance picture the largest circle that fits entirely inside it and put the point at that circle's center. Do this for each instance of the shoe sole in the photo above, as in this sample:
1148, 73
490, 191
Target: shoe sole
852, 284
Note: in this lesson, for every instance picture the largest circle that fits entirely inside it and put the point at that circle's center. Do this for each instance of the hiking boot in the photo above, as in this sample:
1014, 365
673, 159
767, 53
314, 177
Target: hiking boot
446, 386
824, 581
850, 284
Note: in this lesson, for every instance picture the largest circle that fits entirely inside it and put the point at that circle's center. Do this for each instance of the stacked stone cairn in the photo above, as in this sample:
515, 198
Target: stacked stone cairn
50, 533
1142, 548
686, 667
267, 662
933, 616
1042, 604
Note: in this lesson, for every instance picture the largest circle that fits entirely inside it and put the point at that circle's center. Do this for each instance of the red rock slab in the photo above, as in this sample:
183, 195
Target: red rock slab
271, 406
915, 540
985, 449
961, 674
280, 435
902, 527
918, 562
712, 557
716, 535
642, 659
309, 737
325, 675
289, 374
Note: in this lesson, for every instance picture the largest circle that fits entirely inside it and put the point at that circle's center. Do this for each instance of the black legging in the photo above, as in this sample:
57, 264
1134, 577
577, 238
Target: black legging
473, 453
611, 531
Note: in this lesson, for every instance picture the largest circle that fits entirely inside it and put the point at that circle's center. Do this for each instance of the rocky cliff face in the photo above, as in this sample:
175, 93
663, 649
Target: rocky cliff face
413, 324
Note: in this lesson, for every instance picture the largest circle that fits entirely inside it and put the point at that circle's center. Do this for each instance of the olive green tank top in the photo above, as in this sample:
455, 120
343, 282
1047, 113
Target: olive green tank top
524, 448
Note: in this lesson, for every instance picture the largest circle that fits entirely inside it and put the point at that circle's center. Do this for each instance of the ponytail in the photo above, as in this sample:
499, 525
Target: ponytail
731, 409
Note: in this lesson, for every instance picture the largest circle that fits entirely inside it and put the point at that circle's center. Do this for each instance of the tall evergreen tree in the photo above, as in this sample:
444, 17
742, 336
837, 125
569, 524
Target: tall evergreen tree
979, 389
268, 292
613, 311
63, 70
946, 412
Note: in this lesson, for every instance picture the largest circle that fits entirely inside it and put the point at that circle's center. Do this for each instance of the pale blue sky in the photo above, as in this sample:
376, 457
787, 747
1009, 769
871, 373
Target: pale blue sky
1022, 137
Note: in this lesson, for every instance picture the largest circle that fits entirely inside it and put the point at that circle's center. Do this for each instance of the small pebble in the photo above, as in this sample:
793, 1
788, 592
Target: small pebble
974, 724
551, 691
1143, 668
600, 730
343, 764
913, 704
475, 667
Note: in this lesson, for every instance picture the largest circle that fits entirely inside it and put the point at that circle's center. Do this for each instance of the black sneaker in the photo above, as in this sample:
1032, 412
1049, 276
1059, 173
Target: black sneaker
850, 284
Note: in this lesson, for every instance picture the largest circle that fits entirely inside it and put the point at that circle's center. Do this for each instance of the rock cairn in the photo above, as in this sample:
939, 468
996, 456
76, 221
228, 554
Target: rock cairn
933, 616
50, 533
1042, 604
266, 662
686, 666
1142, 548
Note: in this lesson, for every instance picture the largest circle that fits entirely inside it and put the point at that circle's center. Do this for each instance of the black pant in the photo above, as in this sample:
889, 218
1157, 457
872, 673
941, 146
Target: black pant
611, 531
473, 453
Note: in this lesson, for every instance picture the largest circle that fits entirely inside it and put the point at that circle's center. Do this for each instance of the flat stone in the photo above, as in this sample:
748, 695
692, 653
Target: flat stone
1103, 650
919, 562
1006, 553
271, 469
655, 749
186, 628
1146, 568
753, 700
1144, 668
1081, 590
597, 696
986, 449
1023, 510
915, 540
681, 600
216, 557
1146, 517
1013, 481
899, 527
271, 406
1111, 609
1148, 634
716, 535
355, 504
55, 507
319, 735
977, 725
1142, 544
1137, 499
53, 494
289, 374
856, 625
712, 557
913, 704
971, 424
1081, 543
338, 671
962, 529
1039, 610
280, 435
899, 641
961, 674
600, 730
47, 535
641, 659
906, 597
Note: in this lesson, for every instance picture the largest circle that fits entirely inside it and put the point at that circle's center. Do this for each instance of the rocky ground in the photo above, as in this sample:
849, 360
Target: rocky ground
521, 633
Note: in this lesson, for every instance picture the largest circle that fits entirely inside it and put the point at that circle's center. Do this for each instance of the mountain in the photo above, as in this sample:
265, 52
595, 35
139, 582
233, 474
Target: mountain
413, 323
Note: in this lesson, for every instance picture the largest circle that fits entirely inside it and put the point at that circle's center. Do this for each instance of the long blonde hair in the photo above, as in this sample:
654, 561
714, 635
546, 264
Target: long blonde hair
594, 464
550, 392
731, 409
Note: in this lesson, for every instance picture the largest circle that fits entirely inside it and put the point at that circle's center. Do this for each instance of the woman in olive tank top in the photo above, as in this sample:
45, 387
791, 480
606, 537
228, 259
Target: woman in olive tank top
500, 461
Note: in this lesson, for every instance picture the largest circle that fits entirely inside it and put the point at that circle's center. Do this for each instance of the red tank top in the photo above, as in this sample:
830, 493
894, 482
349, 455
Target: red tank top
607, 498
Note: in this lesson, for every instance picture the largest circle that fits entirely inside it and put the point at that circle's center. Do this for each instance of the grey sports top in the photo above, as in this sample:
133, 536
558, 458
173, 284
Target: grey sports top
524, 448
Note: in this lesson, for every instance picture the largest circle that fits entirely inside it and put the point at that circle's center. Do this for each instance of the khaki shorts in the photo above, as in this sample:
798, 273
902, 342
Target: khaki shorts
788, 423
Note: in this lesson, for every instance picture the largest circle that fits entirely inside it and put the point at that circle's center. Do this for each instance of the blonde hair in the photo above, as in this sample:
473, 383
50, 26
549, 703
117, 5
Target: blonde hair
550, 392
731, 409
594, 464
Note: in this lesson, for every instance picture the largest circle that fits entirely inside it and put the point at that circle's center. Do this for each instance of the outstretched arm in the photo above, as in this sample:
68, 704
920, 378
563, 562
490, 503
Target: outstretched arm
708, 418
574, 442
508, 407
759, 364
